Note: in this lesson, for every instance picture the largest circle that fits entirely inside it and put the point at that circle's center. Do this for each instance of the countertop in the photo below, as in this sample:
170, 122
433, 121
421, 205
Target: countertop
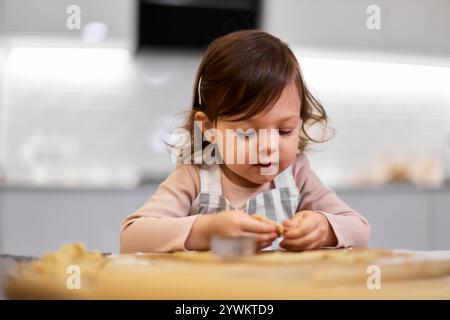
7, 262
255, 276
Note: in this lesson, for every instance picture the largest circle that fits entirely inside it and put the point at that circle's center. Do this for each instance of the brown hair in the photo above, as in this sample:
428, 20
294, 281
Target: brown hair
244, 73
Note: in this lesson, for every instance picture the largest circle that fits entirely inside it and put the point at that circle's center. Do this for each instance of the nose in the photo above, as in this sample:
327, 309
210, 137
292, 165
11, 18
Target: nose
268, 142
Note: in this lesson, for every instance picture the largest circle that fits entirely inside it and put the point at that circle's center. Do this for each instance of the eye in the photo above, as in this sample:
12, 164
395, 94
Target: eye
245, 133
285, 132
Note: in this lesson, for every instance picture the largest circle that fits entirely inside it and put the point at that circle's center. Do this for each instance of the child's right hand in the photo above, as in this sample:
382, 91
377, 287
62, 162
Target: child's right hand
238, 223
229, 223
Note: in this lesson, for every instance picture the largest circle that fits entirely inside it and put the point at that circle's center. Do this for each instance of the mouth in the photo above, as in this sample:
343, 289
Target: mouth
263, 165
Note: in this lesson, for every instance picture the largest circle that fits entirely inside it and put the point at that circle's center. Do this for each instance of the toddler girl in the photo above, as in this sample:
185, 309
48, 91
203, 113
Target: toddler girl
249, 83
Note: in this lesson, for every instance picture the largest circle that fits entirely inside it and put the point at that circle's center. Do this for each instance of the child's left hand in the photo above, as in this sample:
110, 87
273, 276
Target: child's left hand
307, 230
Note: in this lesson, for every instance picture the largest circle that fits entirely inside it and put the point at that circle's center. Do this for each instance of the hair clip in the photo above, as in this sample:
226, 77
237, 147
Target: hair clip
198, 91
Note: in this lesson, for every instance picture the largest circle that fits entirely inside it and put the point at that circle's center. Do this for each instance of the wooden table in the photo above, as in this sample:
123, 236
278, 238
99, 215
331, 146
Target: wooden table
337, 274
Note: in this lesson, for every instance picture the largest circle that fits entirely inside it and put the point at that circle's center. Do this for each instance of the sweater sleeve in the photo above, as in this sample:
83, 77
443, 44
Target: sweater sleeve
351, 228
162, 224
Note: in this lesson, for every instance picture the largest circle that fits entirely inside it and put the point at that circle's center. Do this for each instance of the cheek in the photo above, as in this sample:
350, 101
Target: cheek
221, 141
227, 144
236, 146
289, 147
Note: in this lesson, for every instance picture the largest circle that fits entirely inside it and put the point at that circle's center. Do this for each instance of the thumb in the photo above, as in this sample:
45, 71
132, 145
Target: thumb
288, 223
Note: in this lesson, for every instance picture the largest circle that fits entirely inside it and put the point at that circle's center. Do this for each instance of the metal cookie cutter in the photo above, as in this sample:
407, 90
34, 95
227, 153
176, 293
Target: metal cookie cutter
233, 248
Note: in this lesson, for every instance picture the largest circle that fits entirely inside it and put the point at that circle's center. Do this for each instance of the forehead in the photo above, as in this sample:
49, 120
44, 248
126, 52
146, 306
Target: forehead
287, 106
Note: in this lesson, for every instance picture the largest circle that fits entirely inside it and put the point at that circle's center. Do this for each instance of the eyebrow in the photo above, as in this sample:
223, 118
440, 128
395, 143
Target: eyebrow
288, 117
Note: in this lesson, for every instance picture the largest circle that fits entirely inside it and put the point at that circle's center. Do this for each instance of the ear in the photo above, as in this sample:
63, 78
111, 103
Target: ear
206, 125
201, 116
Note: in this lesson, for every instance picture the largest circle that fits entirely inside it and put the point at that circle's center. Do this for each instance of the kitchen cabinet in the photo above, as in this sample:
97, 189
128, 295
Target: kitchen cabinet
2, 18
442, 220
33, 221
399, 220
412, 26
49, 18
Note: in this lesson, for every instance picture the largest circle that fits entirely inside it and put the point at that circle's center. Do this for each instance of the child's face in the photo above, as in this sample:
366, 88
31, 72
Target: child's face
280, 151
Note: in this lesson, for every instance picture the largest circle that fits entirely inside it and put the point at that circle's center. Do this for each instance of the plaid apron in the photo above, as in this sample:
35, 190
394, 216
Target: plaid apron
276, 204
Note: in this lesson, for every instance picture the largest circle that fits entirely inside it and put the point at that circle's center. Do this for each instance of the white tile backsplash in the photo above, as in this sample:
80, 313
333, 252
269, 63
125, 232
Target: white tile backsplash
118, 126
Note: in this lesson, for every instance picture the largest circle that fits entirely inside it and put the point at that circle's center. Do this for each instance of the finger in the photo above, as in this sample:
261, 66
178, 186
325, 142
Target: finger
294, 222
305, 240
306, 227
269, 239
264, 245
301, 243
296, 219
252, 225
314, 246
288, 223
260, 237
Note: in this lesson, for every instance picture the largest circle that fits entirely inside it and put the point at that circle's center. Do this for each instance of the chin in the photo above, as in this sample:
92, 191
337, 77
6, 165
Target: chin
262, 178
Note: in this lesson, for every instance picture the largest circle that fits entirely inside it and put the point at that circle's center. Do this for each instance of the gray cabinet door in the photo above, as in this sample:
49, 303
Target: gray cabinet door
442, 220
399, 220
412, 26
35, 221
50, 17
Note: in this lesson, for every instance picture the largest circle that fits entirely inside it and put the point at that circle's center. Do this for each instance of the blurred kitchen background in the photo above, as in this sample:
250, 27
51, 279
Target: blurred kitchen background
88, 88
